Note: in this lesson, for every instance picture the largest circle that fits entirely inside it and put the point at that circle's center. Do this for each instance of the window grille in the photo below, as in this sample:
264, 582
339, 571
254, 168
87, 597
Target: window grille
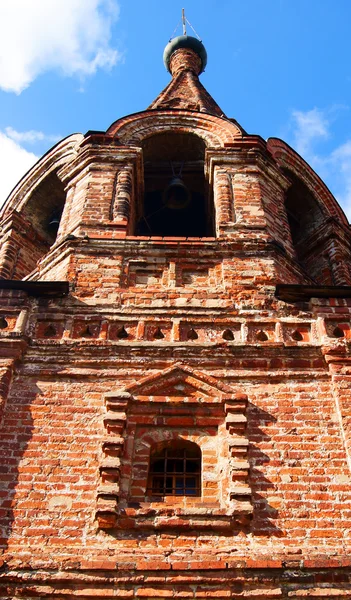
175, 471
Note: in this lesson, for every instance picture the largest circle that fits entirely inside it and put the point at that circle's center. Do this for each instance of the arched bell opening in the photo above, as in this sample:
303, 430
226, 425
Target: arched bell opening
304, 213
45, 206
34, 228
306, 217
175, 201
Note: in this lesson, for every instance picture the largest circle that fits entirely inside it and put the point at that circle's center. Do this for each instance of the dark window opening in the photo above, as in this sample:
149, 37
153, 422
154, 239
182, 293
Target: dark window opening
175, 471
122, 334
50, 331
192, 335
176, 200
87, 332
338, 332
228, 335
3, 323
297, 336
261, 336
158, 335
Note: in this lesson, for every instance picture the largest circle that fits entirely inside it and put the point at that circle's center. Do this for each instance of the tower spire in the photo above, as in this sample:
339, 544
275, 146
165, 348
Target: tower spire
185, 57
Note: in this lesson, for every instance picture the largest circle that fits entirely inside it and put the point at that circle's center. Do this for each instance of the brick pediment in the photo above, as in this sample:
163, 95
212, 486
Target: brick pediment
176, 404
180, 381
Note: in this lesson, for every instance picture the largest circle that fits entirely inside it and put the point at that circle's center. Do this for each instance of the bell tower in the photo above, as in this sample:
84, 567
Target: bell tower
175, 372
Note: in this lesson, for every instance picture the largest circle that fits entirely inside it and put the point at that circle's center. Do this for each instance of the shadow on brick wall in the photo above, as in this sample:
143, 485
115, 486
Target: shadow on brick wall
16, 491
264, 495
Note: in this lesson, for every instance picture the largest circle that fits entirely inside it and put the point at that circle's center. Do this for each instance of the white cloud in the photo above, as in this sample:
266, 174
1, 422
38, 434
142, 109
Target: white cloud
72, 36
308, 130
15, 162
30, 137
310, 126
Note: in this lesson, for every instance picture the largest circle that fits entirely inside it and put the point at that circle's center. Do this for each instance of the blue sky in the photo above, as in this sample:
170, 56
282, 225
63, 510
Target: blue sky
280, 67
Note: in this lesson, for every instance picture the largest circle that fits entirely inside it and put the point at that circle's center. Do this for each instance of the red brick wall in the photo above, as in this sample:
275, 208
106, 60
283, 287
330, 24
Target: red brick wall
82, 404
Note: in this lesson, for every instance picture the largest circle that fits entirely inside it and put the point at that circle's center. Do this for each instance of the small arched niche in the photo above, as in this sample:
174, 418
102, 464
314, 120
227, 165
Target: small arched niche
175, 199
45, 206
303, 211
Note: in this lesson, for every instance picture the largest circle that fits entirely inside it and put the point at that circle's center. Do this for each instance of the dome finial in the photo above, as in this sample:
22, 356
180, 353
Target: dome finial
188, 45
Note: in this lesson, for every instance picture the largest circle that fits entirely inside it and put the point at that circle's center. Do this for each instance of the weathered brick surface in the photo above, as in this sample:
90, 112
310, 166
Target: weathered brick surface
185, 90
168, 339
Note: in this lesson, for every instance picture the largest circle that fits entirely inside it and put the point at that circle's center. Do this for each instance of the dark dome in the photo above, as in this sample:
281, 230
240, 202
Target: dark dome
185, 41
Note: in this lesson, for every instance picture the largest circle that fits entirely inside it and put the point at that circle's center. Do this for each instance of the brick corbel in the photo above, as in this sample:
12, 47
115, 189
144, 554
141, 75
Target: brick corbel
240, 491
11, 350
115, 420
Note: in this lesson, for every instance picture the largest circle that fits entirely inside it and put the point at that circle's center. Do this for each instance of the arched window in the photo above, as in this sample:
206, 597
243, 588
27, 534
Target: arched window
176, 200
175, 470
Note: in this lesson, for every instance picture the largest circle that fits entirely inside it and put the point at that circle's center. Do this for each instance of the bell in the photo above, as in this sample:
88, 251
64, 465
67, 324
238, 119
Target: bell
54, 222
54, 225
176, 196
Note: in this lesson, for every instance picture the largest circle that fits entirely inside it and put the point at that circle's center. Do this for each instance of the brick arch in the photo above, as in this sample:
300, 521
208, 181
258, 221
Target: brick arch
287, 158
158, 446
150, 440
51, 162
215, 131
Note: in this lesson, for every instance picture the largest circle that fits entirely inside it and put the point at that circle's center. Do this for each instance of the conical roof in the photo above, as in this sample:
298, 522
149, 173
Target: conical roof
185, 58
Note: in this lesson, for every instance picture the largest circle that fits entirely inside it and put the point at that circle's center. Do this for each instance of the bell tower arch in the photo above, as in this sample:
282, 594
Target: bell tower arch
175, 201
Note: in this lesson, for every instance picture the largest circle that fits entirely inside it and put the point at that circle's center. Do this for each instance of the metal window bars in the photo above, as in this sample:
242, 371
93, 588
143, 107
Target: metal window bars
175, 471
